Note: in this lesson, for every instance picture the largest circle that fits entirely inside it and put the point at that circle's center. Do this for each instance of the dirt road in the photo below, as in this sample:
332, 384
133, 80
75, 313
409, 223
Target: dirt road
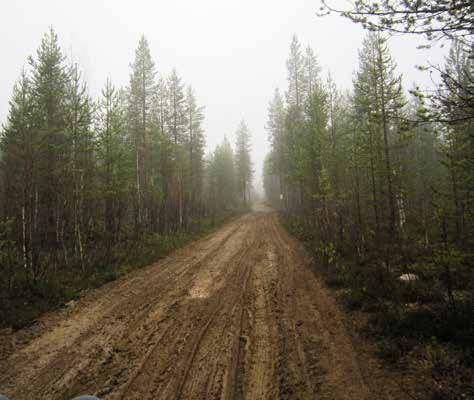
235, 315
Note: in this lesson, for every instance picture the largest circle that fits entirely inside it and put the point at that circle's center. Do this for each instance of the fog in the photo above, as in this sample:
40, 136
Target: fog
232, 52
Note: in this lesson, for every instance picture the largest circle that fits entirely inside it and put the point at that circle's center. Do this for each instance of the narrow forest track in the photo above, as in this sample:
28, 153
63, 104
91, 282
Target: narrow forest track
236, 315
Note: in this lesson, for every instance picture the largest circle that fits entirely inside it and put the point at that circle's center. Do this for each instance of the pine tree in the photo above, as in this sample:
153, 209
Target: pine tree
177, 113
49, 77
277, 136
378, 103
177, 126
424, 172
80, 168
114, 162
451, 102
311, 72
314, 149
141, 94
222, 178
271, 181
81, 179
243, 163
296, 76
195, 144
18, 160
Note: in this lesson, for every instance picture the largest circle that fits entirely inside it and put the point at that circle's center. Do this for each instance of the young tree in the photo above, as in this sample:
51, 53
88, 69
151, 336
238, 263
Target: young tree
295, 64
195, 142
243, 163
18, 160
114, 162
314, 158
459, 144
177, 126
379, 101
277, 136
311, 72
221, 178
80, 168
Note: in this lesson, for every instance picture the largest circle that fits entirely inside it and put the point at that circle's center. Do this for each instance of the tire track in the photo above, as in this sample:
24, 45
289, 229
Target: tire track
237, 315
107, 320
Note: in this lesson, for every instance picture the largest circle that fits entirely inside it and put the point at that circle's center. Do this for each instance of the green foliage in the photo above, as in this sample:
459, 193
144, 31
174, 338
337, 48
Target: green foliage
91, 189
437, 357
383, 205
434, 19
222, 178
8, 252
24, 305
243, 164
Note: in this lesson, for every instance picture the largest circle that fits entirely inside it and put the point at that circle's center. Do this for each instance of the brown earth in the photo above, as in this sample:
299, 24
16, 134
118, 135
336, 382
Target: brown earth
238, 314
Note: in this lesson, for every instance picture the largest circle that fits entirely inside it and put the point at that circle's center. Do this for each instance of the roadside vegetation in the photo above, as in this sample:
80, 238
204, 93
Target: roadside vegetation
92, 188
24, 303
378, 183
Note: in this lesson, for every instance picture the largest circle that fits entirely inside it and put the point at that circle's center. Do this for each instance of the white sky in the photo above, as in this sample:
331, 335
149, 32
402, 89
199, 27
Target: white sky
232, 52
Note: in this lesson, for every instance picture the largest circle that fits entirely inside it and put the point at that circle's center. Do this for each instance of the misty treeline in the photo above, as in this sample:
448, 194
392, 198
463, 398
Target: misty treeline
92, 182
377, 188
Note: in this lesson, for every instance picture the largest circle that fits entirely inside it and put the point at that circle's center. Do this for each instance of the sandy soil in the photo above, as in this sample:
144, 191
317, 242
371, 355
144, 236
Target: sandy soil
236, 315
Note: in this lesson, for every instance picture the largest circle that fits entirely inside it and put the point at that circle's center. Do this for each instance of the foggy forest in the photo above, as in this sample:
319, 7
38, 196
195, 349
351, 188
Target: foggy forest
324, 251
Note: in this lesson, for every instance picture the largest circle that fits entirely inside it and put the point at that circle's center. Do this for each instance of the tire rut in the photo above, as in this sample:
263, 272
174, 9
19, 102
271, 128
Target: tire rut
237, 315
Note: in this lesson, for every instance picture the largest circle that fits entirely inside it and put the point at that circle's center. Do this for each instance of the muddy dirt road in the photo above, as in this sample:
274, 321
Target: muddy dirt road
235, 315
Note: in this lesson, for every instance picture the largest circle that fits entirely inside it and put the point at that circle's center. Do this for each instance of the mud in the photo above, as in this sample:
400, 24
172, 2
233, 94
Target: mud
236, 315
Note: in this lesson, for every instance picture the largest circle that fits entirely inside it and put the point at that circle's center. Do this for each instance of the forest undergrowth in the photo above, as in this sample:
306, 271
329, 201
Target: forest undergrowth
24, 301
417, 309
